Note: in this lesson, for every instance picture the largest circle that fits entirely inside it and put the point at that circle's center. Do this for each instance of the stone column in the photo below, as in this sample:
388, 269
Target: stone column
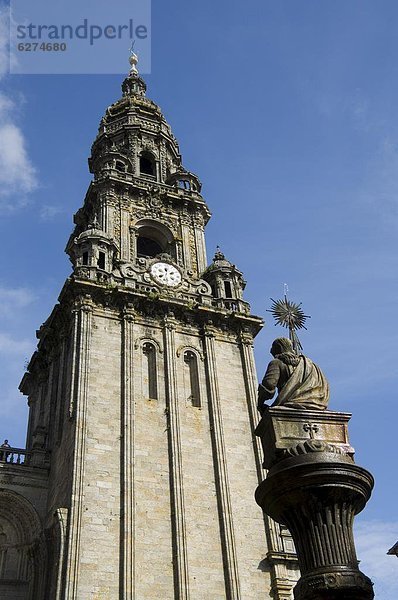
315, 489
107, 212
249, 371
59, 410
124, 234
200, 249
128, 482
220, 460
82, 315
181, 572
133, 236
186, 224
60, 522
281, 585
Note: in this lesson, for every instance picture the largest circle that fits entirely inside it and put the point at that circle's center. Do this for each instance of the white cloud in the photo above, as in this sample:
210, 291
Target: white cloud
373, 540
13, 416
6, 104
17, 174
50, 211
13, 299
4, 37
11, 346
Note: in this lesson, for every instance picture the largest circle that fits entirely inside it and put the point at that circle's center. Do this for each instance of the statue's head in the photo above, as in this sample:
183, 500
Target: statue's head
281, 345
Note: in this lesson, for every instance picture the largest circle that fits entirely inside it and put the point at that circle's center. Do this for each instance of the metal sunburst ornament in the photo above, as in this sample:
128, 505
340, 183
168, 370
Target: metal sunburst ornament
290, 315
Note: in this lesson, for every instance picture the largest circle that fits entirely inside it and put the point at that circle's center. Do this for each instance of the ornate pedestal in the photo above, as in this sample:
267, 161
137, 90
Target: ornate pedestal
315, 489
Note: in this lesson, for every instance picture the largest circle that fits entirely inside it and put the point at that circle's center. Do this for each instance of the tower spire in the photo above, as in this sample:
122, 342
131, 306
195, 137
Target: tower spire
133, 60
133, 84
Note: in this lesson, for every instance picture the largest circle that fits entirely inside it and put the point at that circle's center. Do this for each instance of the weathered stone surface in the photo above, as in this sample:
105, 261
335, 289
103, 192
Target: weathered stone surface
288, 432
316, 491
142, 396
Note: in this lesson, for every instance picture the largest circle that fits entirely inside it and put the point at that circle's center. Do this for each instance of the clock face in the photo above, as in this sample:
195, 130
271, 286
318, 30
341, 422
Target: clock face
165, 274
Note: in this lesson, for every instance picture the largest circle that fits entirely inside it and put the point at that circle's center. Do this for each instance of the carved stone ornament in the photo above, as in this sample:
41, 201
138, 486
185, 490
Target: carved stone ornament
129, 271
315, 489
291, 432
314, 446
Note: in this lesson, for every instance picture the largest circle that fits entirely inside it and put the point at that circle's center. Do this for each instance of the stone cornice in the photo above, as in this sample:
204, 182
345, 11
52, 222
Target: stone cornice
117, 297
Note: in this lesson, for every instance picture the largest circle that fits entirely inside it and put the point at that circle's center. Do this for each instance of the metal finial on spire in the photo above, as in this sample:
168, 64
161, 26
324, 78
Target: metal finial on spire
218, 255
290, 315
133, 60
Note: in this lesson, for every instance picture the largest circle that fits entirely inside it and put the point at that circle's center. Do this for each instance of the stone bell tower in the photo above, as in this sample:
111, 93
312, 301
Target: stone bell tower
142, 394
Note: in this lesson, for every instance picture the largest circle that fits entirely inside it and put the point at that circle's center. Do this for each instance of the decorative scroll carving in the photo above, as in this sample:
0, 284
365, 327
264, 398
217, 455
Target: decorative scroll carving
313, 445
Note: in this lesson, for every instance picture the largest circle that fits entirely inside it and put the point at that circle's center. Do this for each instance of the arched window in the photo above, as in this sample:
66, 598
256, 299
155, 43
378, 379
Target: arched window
154, 238
147, 247
21, 552
147, 164
101, 260
150, 385
120, 166
227, 289
184, 184
3, 552
192, 378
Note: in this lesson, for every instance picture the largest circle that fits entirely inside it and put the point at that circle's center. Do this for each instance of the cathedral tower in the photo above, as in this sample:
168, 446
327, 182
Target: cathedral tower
141, 462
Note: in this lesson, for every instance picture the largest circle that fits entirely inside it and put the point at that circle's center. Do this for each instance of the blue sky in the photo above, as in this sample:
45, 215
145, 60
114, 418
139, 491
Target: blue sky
287, 111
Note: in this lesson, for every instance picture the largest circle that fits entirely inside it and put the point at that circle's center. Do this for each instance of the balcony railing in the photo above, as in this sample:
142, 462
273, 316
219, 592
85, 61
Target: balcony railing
15, 456
232, 304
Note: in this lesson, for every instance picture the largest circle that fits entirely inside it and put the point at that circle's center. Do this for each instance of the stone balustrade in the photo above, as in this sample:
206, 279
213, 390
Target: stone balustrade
15, 456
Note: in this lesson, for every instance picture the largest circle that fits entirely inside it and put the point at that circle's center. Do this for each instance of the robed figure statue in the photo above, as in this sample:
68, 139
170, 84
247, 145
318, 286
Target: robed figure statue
299, 381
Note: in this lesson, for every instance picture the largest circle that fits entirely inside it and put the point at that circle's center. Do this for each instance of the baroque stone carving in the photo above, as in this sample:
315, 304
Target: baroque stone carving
315, 446
315, 489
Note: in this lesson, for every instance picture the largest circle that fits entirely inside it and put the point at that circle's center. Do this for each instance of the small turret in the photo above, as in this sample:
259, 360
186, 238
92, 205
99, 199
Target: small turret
185, 180
93, 253
227, 283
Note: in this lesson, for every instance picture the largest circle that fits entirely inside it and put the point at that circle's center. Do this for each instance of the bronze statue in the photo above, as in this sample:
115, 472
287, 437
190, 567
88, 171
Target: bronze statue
300, 382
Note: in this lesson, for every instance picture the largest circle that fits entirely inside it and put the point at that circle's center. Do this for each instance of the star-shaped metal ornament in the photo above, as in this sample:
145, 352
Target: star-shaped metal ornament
290, 315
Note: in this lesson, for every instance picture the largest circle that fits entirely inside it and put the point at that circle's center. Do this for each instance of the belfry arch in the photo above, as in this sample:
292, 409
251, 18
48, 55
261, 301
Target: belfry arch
153, 238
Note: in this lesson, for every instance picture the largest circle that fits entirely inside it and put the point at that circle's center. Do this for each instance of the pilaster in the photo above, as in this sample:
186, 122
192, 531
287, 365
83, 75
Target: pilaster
176, 468
124, 235
82, 318
220, 460
185, 226
200, 248
281, 585
127, 432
